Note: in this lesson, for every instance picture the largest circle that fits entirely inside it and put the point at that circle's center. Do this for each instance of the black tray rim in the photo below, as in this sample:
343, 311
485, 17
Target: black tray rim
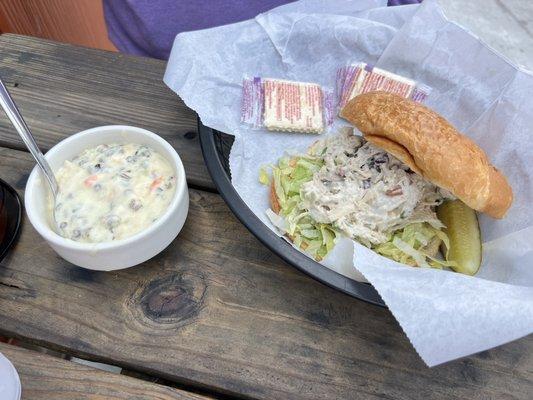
18, 221
359, 290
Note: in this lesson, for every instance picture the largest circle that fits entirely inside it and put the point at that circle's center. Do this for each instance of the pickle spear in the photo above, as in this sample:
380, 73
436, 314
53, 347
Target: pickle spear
462, 228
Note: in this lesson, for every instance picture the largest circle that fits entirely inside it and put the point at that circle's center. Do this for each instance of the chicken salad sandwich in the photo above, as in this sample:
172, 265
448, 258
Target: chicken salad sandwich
407, 188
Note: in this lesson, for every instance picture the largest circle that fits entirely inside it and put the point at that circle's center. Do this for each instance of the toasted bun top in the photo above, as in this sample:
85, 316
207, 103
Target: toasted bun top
431, 147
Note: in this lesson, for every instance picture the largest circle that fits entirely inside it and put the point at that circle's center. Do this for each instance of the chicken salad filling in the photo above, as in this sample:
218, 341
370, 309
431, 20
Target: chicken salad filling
346, 186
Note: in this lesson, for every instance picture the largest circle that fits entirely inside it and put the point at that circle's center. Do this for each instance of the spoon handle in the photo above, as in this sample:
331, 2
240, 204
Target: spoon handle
16, 119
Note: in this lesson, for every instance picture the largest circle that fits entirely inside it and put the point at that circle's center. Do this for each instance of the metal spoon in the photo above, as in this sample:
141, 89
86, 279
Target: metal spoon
9, 106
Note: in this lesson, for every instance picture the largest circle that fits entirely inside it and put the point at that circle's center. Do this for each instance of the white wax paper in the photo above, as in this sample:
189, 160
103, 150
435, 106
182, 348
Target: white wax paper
444, 314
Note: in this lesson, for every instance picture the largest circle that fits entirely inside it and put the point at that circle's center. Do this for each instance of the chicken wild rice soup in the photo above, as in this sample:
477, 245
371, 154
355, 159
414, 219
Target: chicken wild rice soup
112, 191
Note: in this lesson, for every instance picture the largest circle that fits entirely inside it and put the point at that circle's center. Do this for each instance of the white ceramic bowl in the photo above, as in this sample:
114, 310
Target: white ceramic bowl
9, 380
121, 253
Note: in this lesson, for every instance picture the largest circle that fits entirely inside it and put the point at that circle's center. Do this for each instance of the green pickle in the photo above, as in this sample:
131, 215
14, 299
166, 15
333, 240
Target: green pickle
462, 228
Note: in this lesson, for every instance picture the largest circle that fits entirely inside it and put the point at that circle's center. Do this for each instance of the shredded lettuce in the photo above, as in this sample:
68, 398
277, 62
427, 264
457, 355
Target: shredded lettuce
289, 175
263, 176
416, 244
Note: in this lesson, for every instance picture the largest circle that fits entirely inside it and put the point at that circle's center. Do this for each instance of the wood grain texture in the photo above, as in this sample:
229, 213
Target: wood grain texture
44, 378
78, 22
63, 89
219, 311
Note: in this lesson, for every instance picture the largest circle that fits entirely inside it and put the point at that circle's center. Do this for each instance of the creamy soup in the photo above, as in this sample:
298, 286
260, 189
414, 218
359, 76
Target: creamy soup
112, 191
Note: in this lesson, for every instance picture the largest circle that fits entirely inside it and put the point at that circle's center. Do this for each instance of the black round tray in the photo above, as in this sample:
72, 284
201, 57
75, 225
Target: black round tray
216, 147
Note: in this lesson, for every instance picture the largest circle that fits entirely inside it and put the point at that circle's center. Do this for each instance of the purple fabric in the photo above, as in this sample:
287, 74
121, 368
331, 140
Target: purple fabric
148, 27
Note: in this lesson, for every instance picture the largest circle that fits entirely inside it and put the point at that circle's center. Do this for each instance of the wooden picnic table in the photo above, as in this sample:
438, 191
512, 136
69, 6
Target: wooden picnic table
216, 314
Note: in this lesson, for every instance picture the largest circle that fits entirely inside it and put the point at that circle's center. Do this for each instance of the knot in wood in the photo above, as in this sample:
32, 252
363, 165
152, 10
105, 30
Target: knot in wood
173, 299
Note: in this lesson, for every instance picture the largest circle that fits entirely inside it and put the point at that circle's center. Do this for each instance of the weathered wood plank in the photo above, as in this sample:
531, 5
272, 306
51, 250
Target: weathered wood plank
219, 311
44, 377
63, 89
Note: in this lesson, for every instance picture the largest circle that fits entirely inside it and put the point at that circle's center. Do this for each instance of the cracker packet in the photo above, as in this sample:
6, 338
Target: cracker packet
355, 79
288, 106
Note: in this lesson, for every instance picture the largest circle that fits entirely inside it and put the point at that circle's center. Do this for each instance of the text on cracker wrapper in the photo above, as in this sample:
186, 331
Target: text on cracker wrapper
283, 105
